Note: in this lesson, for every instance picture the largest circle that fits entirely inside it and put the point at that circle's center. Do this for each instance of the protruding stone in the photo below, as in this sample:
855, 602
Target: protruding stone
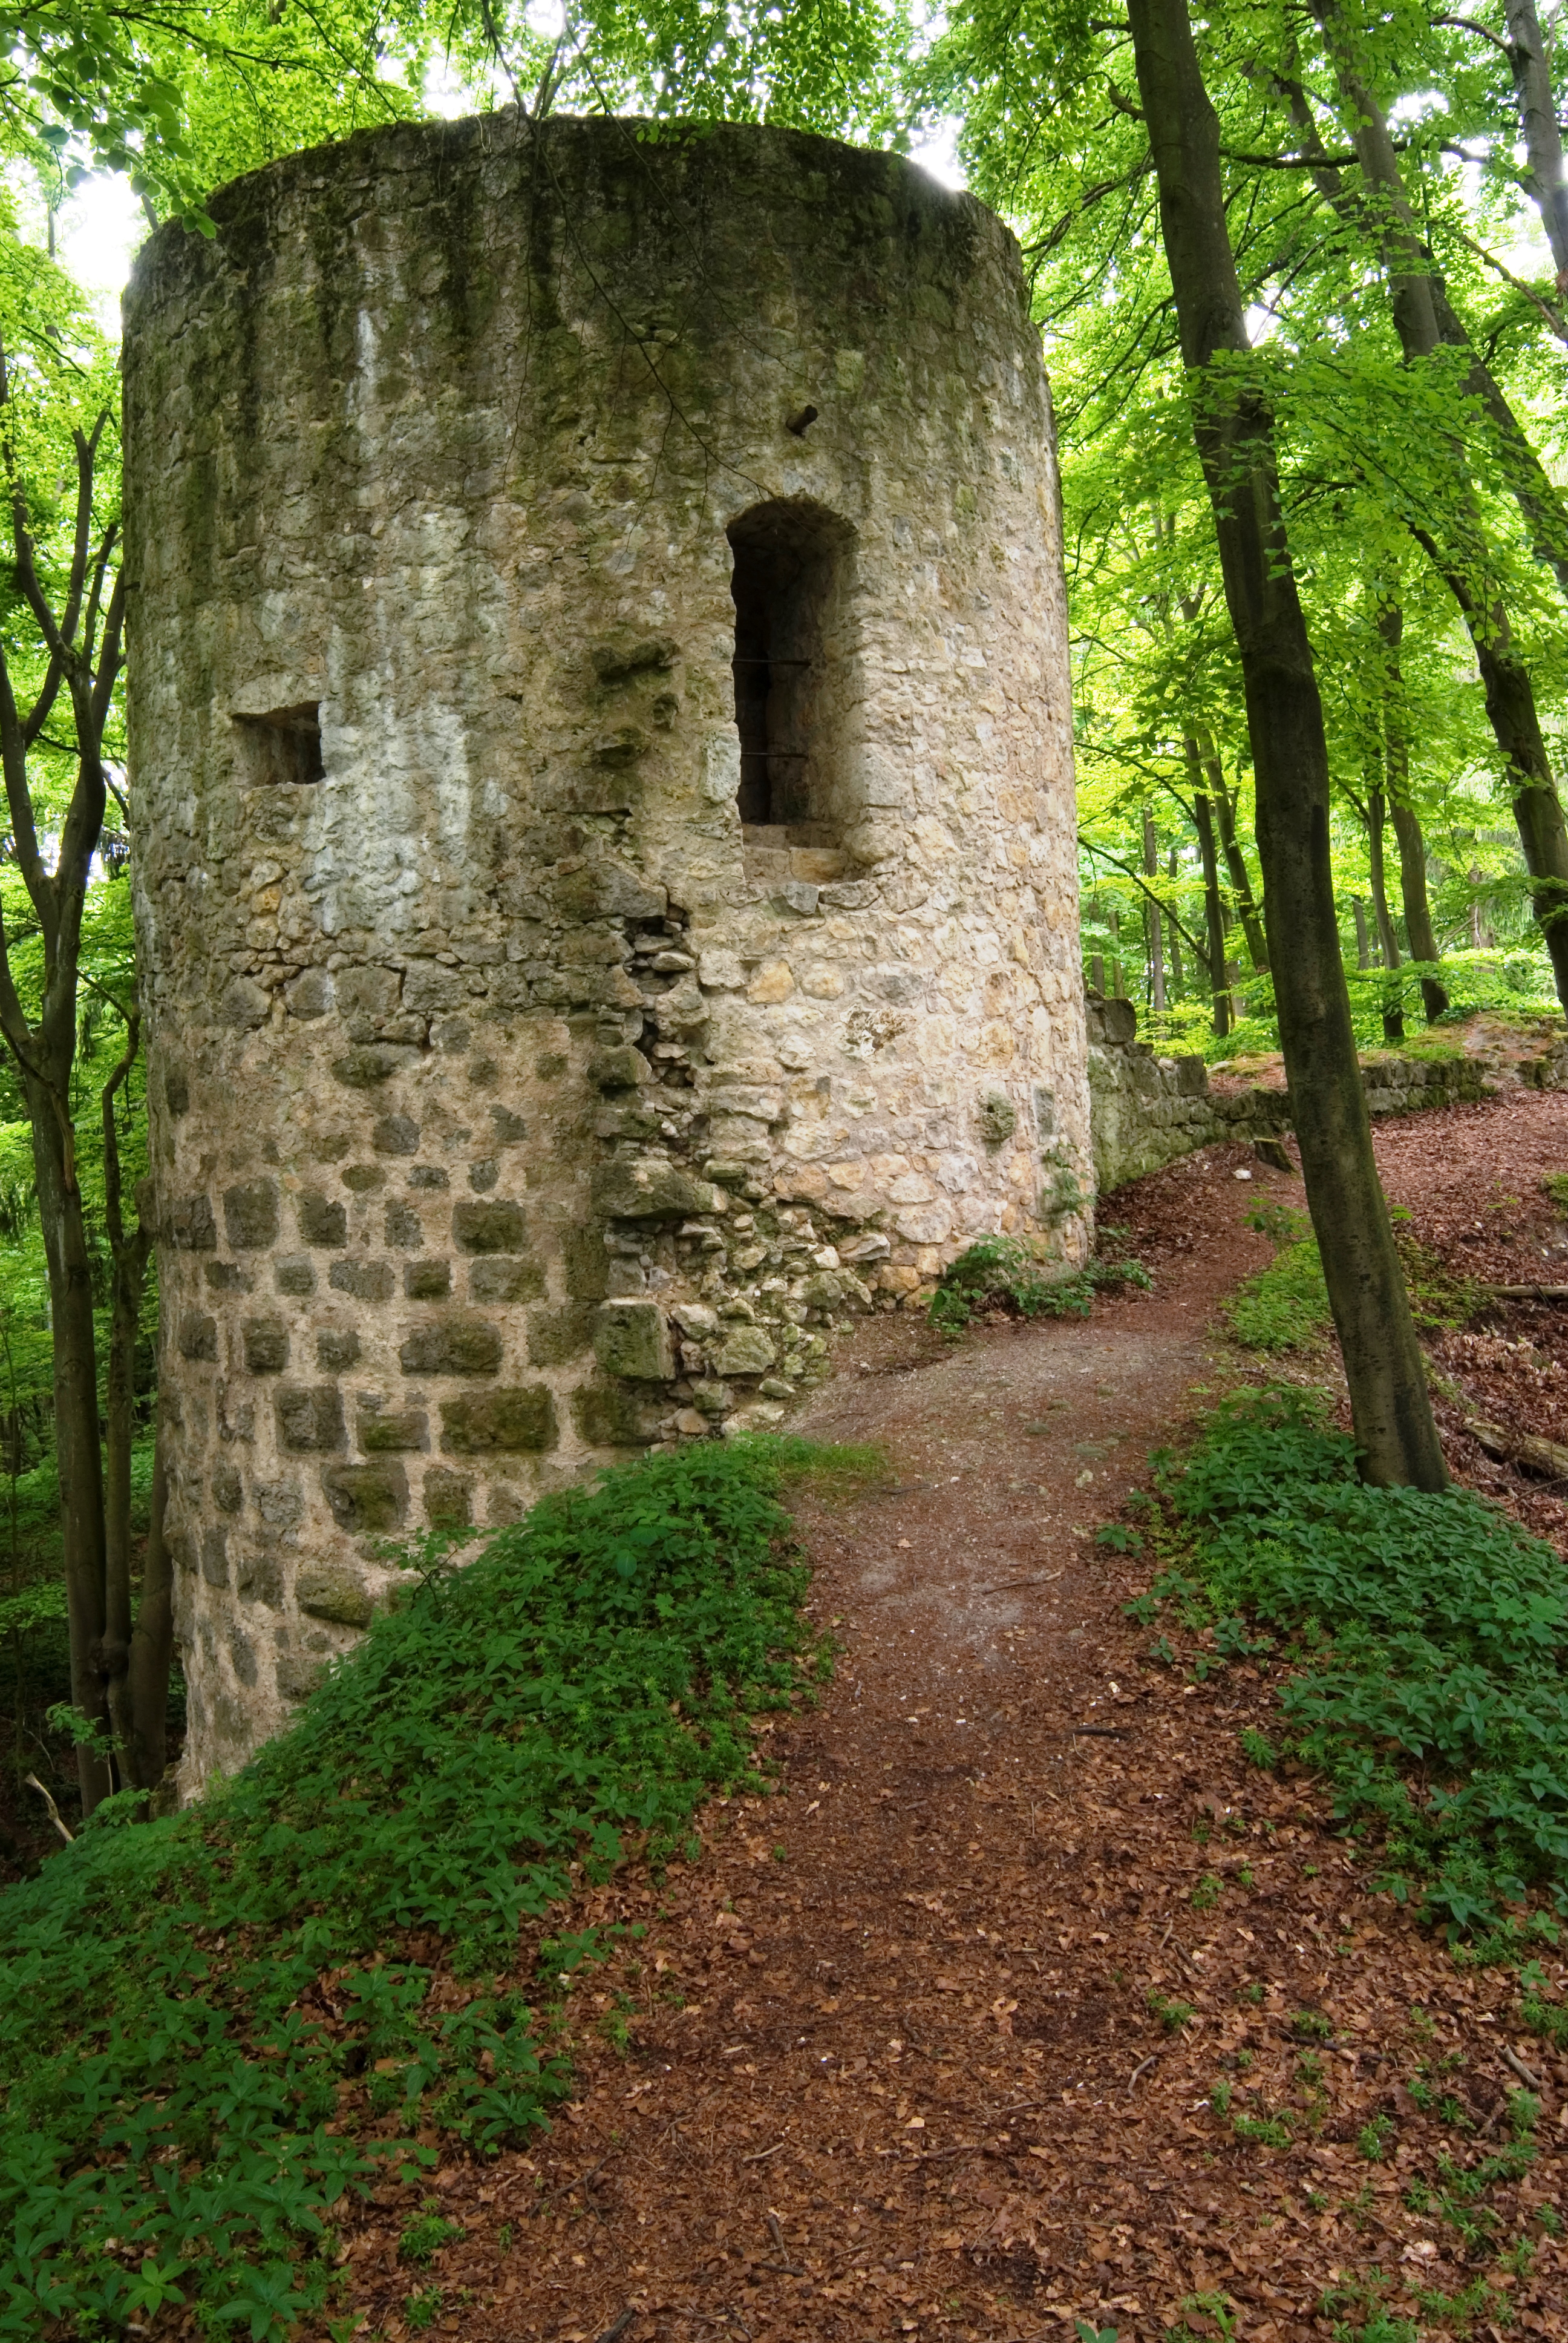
742, 1349
618, 1069
505, 1422
191, 1228
651, 1187
198, 1336
337, 1347
309, 1416
250, 1215
505, 1278
631, 1338
452, 1346
320, 1222
366, 1281
367, 1496
266, 1345
335, 1592
489, 1227
428, 1280
393, 1432
449, 1500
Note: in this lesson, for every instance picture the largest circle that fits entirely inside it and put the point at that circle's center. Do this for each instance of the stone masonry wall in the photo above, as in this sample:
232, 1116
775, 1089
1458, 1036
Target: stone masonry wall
514, 1104
1146, 1111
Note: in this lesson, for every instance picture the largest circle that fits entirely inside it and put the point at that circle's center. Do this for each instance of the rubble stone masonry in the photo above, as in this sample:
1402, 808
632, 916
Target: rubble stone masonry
600, 742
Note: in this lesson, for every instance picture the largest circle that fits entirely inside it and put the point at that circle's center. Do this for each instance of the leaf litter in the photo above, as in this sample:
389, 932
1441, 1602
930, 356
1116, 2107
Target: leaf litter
978, 2022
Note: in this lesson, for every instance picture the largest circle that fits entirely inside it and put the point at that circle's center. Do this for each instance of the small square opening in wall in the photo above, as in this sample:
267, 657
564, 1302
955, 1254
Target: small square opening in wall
281, 749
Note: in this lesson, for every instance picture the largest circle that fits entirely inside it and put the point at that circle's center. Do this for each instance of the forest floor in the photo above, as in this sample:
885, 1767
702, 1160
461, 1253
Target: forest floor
885, 2061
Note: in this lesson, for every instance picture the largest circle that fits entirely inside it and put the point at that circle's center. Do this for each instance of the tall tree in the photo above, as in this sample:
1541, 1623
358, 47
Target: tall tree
1233, 429
65, 645
1457, 542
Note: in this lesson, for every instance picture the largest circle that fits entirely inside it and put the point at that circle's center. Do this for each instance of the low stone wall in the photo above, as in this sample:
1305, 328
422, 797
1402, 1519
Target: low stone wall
1146, 1111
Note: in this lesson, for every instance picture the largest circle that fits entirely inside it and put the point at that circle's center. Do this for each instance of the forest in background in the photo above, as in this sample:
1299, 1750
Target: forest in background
1420, 487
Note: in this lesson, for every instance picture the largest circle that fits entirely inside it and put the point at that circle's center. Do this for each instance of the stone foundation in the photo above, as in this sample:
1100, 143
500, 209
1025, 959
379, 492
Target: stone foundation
600, 739
1146, 1111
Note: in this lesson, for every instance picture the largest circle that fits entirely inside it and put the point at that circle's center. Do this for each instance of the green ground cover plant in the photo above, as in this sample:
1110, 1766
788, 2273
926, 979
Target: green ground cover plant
1423, 1643
1003, 1273
214, 2026
1286, 1306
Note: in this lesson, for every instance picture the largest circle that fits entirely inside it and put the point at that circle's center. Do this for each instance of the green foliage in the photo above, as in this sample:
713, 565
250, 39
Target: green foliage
1263, 2131
423, 2238
169, 2081
1003, 1273
1556, 1186
1286, 1306
1432, 1638
1172, 2014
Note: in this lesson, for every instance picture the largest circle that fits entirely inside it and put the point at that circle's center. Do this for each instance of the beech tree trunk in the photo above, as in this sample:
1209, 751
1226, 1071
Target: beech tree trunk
1240, 879
1538, 123
1233, 429
83, 643
1151, 915
1213, 907
1418, 925
1175, 937
1388, 940
1363, 942
1421, 310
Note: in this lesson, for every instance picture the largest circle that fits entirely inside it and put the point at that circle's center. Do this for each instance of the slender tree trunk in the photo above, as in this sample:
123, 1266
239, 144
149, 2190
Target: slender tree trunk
1233, 429
1152, 920
77, 1449
1363, 942
1375, 816
1241, 877
1175, 938
1420, 309
1481, 936
1418, 925
1214, 906
1538, 123
1387, 936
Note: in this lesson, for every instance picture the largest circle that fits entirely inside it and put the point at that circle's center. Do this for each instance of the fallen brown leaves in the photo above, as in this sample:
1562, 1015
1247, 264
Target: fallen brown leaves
934, 2041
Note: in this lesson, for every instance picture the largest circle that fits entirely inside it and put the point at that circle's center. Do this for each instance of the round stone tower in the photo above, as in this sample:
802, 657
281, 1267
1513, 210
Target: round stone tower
600, 745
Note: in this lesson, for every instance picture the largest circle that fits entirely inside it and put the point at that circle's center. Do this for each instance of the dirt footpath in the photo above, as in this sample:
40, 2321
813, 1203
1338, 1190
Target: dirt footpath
923, 2045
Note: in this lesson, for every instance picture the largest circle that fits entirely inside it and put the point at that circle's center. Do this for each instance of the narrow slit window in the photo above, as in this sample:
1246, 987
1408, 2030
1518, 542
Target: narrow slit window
790, 586
281, 748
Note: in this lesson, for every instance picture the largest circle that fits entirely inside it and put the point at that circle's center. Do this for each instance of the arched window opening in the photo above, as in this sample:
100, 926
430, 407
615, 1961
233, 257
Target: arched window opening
793, 673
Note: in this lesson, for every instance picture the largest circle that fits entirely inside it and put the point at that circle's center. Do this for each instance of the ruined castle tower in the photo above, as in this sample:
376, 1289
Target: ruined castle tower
600, 748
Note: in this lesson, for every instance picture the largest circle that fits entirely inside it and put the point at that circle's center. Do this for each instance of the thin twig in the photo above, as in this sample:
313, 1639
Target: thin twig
763, 2154
622, 2323
1526, 2074
1143, 2069
69, 1836
1009, 1584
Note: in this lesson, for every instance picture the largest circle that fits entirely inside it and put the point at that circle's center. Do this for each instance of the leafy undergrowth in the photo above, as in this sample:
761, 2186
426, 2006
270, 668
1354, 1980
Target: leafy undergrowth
214, 2026
1001, 1274
1421, 1641
1286, 1306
